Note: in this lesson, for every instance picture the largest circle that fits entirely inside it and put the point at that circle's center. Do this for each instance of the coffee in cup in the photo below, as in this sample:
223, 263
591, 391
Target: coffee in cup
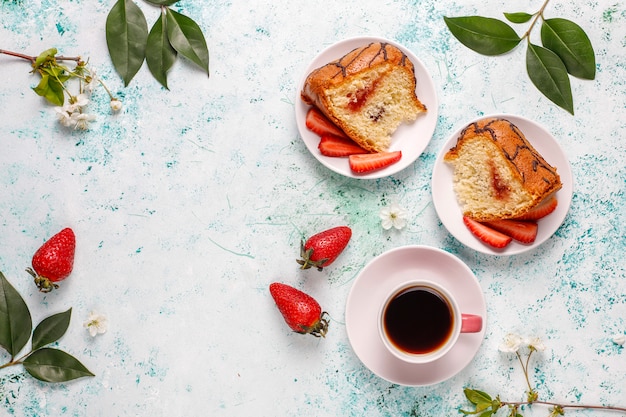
420, 322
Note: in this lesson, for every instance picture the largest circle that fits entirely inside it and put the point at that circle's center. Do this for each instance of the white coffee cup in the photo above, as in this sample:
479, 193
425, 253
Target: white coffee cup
420, 321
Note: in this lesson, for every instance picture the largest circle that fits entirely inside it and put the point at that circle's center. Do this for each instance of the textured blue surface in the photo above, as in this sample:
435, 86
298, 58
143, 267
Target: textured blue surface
190, 202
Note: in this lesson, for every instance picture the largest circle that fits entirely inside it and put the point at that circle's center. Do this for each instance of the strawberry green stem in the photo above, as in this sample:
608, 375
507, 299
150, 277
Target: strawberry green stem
44, 284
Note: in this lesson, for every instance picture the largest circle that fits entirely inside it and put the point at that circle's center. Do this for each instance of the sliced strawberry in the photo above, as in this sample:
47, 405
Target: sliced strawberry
542, 210
486, 234
520, 230
318, 123
337, 147
372, 161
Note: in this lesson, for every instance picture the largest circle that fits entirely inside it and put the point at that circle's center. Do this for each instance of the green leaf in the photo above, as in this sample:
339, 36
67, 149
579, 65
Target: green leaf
53, 365
126, 34
51, 89
519, 17
186, 37
15, 320
51, 329
45, 56
487, 413
484, 35
163, 2
570, 42
477, 397
160, 55
548, 74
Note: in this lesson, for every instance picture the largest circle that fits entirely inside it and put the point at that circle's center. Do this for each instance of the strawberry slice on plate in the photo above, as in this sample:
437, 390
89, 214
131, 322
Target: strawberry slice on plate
522, 231
318, 123
373, 161
486, 234
338, 147
541, 211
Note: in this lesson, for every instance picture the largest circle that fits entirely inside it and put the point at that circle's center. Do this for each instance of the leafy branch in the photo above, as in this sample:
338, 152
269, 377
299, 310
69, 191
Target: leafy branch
44, 363
54, 85
130, 43
565, 49
486, 406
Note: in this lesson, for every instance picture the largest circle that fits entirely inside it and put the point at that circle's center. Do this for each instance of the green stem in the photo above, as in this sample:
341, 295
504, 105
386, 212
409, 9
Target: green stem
538, 15
16, 361
525, 369
34, 58
554, 404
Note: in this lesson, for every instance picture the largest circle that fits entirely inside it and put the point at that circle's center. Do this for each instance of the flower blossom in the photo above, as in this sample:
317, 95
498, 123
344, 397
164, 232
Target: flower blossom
64, 114
536, 344
93, 80
511, 344
619, 339
393, 216
81, 120
96, 324
116, 105
80, 100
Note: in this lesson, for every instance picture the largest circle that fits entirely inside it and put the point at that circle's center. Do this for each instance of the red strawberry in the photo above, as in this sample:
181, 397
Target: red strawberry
337, 147
301, 312
373, 161
542, 210
487, 234
318, 123
323, 248
522, 231
54, 260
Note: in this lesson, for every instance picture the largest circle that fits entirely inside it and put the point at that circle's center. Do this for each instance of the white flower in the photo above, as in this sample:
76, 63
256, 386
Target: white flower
511, 343
619, 339
81, 120
64, 115
93, 80
80, 100
96, 324
393, 216
535, 343
116, 105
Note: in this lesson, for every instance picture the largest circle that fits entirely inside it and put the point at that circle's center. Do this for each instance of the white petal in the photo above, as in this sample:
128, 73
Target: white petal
116, 105
399, 223
387, 223
511, 343
536, 343
619, 339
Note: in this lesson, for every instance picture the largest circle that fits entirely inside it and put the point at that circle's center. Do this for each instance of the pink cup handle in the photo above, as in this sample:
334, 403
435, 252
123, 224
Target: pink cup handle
471, 323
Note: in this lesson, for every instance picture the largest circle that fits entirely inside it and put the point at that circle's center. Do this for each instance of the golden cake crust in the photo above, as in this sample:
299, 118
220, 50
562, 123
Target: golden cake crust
354, 62
526, 169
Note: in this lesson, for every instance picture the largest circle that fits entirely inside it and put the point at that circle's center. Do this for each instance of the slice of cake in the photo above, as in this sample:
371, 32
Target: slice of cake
368, 93
497, 172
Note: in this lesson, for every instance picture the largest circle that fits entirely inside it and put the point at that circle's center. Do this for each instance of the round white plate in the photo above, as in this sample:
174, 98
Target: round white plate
382, 275
411, 139
449, 211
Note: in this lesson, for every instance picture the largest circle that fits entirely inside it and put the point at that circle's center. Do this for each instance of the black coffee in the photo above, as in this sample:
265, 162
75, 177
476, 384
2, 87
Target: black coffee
418, 320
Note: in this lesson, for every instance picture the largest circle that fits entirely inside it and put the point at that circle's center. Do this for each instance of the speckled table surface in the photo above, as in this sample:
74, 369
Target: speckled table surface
189, 202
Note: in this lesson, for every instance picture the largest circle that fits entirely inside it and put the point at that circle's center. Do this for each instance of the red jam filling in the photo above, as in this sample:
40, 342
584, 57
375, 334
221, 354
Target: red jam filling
500, 187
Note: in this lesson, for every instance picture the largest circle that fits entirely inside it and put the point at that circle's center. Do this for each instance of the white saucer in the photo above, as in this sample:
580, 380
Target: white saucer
384, 273
449, 211
411, 139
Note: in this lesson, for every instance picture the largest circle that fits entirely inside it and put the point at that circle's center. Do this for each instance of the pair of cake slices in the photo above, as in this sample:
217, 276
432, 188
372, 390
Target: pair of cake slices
370, 91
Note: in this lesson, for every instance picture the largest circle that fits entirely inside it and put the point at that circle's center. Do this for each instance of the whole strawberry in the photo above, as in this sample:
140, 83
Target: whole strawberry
54, 260
301, 312
323, 248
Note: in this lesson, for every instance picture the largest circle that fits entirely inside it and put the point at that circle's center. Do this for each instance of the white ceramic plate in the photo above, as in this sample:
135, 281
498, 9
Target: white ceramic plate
382, 275
411, 139
449, 210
